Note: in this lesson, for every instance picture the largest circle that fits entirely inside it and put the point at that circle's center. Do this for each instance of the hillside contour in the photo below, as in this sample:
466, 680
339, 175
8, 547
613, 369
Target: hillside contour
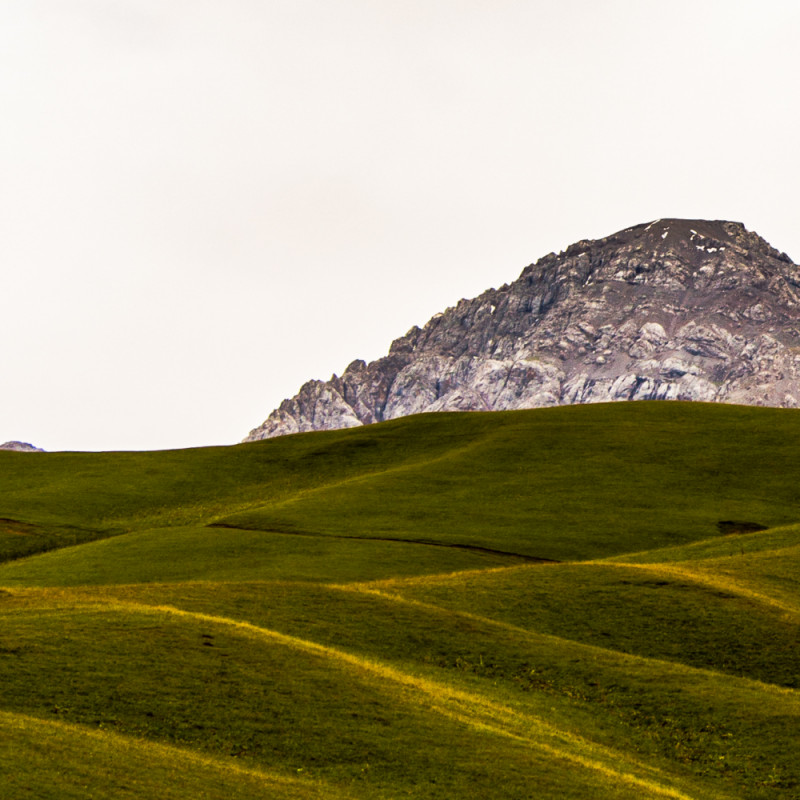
589, 602
670, 310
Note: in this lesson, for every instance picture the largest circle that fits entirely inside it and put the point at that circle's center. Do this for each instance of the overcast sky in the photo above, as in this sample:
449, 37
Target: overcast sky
205, 204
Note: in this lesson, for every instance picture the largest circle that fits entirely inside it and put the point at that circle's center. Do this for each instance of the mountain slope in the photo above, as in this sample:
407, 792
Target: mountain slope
673, 309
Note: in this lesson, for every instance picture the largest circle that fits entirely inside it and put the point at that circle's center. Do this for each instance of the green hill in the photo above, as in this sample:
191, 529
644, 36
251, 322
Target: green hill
589, 602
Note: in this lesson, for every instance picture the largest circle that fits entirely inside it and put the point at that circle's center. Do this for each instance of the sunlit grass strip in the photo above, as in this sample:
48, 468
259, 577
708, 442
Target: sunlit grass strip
695, 574
467, 708
628, 658
783, 538
134, 756
714, 581
104, 597
439, 578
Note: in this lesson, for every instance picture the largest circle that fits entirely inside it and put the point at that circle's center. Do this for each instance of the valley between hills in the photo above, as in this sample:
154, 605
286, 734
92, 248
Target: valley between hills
585, 601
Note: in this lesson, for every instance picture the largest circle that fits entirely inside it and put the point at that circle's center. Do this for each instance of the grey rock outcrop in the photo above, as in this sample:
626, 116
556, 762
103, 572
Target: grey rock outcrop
670, 310
21, 447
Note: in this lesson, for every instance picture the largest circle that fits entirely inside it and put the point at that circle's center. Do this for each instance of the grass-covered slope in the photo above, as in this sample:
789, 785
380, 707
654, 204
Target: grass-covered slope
565, 483
52, 760
575, 602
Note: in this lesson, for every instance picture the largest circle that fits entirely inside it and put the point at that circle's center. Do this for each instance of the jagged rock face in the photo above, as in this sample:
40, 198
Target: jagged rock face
21, 447
670, 310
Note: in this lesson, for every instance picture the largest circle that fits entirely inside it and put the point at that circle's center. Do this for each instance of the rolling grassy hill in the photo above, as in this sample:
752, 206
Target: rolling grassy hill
582, 602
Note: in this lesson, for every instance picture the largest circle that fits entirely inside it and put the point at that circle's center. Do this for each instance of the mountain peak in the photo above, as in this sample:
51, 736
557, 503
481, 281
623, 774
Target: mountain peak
700, 236
657, 244
683, 230
669, 309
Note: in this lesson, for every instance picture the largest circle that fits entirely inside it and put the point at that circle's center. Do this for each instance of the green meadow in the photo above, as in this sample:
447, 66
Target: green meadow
580, 602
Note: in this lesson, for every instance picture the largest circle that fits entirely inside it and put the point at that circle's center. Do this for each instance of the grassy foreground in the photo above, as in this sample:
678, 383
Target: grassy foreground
582, 602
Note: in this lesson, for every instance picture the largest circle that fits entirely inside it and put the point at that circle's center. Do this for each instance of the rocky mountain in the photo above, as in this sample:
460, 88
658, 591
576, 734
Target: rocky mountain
21, 447
672, 309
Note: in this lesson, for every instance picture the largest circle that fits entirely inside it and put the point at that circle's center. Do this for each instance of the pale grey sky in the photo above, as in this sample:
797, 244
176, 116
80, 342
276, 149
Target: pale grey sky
204, 204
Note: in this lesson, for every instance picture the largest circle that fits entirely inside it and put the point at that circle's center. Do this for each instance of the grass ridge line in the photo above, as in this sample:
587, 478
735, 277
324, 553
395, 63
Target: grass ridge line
631, 657
442, 577
740, 539
367, 475
707, 579
21, 720
467, 708
94, 597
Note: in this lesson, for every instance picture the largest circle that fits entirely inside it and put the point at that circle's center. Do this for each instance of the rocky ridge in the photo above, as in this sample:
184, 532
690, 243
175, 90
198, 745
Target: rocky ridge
670, 310
21, 447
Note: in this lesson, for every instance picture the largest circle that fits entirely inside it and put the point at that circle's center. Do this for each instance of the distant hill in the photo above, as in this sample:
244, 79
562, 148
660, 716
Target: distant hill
21, 447
670, 310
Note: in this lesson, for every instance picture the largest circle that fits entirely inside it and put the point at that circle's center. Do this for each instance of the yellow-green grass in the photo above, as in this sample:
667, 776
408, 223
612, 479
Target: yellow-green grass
274, 701
562, 483
691, 616
685, 723
763, 565
46, 759
740, 544
775, 574
569, 483
356, 613
210, 553
63, 498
